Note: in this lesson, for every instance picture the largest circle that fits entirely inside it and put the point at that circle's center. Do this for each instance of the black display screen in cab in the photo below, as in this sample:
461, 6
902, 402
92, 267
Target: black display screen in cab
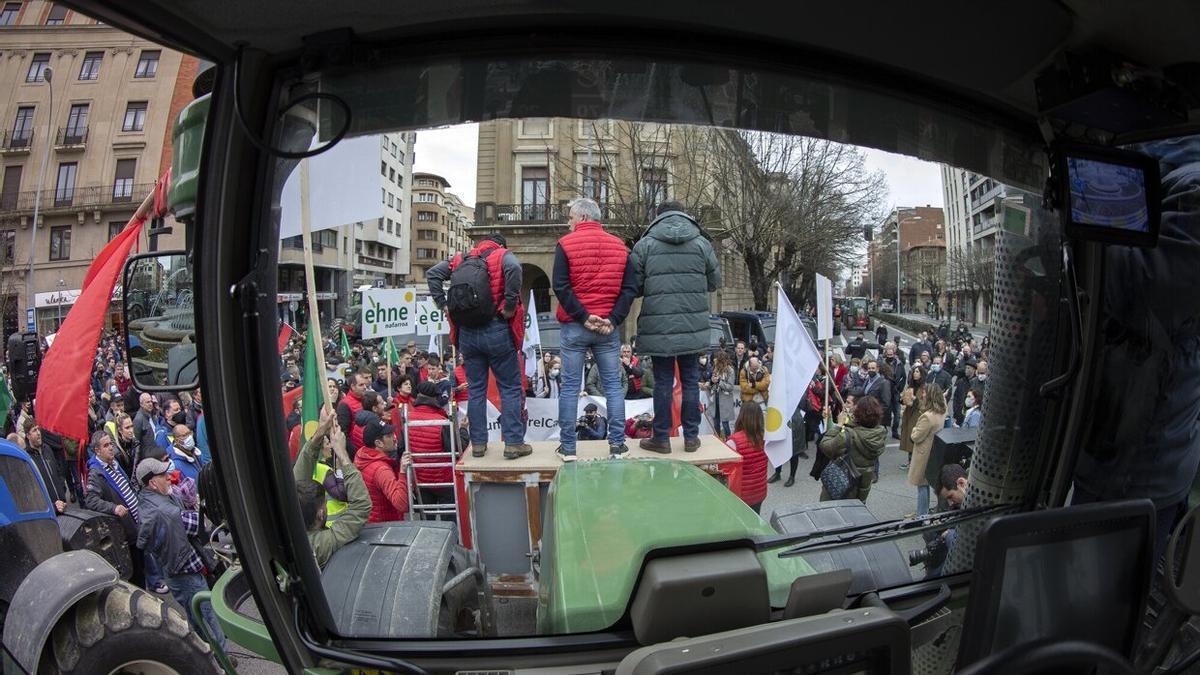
1108, 195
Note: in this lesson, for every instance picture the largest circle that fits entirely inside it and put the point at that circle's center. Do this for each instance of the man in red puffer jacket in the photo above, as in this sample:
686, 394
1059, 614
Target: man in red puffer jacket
383, 474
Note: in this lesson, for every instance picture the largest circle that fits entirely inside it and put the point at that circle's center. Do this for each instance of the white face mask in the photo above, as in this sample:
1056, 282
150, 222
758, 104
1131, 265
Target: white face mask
189, 443
970, 401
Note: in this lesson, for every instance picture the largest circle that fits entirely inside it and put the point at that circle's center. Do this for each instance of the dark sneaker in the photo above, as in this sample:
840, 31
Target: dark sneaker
478, 450
661, 447
775, 478
618, 451
691, 444
565, 455
515, 450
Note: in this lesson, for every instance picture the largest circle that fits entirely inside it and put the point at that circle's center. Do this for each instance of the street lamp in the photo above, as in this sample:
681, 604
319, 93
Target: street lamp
61, 297
48, 76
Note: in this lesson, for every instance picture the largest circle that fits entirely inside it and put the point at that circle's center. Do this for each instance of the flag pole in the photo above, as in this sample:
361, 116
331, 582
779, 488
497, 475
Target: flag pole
310, 281
391, 346
826, 365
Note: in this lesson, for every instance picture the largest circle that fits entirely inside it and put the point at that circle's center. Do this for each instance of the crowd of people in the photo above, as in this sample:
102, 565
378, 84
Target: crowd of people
874, 385
141, 464
146, 453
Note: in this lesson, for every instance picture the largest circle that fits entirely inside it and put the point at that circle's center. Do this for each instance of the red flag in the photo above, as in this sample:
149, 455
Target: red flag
62, 391
290, 398
285, 334
676, 403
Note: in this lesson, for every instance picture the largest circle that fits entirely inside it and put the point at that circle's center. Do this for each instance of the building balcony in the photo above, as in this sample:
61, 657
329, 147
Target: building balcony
15, 143
487, 214
371, 261
53, 199
70, 138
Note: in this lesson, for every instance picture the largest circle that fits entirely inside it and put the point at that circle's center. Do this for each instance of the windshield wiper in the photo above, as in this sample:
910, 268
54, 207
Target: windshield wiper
892, 529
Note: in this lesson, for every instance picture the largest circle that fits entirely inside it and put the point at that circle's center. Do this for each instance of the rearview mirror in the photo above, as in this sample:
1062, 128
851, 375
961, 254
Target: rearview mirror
160, 322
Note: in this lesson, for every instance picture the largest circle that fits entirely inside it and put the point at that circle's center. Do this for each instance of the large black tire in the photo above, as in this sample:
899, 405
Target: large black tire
123, 624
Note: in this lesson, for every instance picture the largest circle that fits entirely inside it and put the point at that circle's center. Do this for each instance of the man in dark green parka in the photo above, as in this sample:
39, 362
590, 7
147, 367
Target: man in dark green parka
675, 270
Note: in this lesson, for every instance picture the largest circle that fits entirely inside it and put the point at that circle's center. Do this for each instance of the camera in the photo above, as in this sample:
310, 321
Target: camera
932, 556
582, 423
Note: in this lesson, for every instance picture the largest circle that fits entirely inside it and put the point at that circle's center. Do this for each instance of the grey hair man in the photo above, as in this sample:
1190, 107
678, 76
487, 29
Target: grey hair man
595, 287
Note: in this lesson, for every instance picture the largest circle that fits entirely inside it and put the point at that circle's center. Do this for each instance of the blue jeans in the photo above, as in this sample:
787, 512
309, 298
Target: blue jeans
183, 587
153, 576
491, 348
922, 499
575, 343
664, 394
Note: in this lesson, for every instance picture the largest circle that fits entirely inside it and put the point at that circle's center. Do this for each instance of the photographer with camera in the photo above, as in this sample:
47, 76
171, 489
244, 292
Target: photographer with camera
641, 426
591, 427
952, 486
755, 381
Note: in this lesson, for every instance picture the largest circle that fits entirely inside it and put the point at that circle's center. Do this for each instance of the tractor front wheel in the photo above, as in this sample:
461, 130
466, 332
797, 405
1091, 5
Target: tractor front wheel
123, 628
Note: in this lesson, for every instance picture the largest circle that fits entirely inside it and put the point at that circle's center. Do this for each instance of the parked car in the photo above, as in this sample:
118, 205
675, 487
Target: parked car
886, 305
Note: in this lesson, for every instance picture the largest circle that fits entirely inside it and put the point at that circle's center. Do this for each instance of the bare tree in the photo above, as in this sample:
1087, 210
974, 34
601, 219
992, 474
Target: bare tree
636, 166
930, 275
971, 270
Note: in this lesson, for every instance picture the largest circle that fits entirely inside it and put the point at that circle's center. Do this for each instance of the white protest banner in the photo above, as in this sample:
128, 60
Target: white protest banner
344, 187
543, 416
388, 311
430, 319
796, 359
824, 308
533, 337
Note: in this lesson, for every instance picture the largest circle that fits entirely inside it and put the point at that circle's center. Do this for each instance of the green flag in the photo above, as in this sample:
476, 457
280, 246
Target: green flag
392, 353
310, 401
345, 345
6, 401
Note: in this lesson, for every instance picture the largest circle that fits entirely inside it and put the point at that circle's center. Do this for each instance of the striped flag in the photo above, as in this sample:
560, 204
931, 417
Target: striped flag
310, 405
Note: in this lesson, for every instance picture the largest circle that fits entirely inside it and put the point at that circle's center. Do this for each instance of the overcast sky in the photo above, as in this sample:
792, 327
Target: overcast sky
450, 153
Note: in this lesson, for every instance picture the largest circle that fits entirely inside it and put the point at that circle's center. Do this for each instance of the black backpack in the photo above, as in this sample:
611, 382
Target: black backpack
469, 301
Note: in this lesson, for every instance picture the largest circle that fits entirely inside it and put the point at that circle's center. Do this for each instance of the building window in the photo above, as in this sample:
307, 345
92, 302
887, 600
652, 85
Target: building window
380, 224
426, 253
391, 202
147, 64
595, 184
426, 217
90, 70
535, 126
8, 247
135, 116
22, 127
382, 168
427, 198
12, 187
392, 175
77, 123
8, 15
358, 246
389, 225
57, 15
64, 189
123, 182
427, 235
37, 67
654, 185
60, 243
535, 192
114, 228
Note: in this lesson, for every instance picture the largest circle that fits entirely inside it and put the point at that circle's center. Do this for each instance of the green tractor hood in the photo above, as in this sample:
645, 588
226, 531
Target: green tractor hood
603, 517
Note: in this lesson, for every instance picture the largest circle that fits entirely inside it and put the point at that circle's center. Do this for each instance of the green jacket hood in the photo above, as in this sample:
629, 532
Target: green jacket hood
674, 227
871, 436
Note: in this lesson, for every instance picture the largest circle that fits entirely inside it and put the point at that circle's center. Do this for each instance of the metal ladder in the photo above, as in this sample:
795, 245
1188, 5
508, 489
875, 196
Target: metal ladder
416, 509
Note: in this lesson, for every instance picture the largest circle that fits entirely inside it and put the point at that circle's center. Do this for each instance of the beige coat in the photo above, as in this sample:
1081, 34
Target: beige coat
928, 424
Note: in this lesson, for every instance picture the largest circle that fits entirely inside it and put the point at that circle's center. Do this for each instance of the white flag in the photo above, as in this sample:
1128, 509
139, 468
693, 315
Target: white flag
533, 337
796, 359
824, 308
433, 344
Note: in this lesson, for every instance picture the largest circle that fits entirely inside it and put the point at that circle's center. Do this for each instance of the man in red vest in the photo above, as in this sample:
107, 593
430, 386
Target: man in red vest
492, 346
595, 288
